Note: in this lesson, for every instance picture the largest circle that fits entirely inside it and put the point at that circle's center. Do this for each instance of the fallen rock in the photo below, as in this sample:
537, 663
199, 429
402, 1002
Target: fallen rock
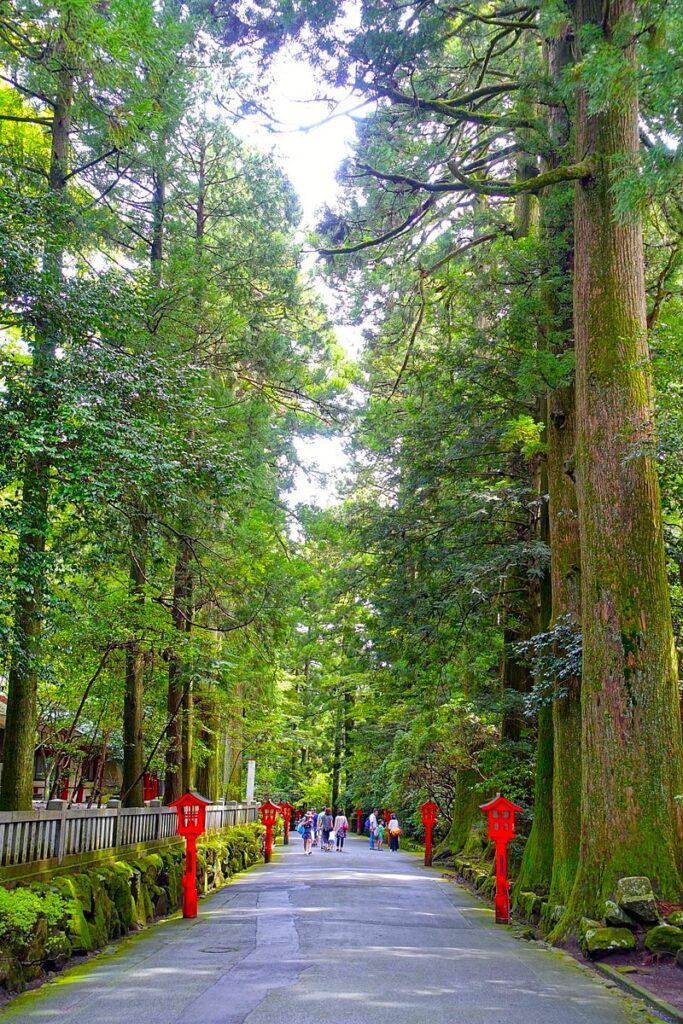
664, 938
635, 896
599, 942
615, 917
676, 919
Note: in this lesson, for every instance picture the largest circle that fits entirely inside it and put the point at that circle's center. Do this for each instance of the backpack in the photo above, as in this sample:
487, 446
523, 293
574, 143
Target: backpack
367, 823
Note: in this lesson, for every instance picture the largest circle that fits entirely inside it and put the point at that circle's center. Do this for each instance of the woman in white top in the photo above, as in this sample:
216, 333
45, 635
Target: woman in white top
394, 830
341, 827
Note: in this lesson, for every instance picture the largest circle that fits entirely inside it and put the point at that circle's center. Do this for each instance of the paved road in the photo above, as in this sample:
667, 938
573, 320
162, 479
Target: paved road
362, 937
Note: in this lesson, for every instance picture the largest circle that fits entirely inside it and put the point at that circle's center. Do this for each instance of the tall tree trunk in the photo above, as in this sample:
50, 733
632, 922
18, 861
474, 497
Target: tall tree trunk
188, 736
16, 788
174, 733
133, 740
537, 860
465, 812
337, 756
133, 701
207, 773
632, 757
565, 544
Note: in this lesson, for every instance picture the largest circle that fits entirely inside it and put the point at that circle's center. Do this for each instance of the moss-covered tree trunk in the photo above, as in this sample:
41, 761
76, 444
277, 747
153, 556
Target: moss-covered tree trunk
537, 860
631, 734
16, 788
206, 776
565, 544
566, 710
465, 813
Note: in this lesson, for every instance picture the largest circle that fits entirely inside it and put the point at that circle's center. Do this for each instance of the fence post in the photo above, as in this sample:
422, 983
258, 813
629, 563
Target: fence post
114, 804
157, 805
60, 826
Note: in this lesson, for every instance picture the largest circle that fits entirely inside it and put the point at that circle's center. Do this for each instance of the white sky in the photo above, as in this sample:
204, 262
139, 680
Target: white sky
310, 157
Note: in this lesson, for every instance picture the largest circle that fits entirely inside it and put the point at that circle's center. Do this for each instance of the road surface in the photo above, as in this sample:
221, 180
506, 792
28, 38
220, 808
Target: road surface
360, 937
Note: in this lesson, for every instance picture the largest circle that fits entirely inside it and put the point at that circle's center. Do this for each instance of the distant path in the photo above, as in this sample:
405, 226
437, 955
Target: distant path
361, 937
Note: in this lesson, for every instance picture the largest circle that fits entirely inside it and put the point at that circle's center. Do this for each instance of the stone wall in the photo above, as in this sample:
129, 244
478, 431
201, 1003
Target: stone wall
43, 924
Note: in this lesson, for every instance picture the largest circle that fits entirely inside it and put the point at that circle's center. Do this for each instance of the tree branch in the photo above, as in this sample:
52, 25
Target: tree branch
417, 214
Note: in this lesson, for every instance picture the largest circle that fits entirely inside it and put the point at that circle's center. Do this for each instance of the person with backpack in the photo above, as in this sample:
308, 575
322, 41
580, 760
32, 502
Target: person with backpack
394, 830
305, 830
341, 827
325, 823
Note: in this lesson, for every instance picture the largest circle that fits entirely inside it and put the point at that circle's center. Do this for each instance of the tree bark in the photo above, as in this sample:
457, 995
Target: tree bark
16, 788
174, 733
133, 701
631, 728
464, 814
537, 860
565, 544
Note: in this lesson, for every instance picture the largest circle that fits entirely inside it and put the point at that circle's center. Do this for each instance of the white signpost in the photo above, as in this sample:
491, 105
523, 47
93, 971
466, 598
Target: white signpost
251, 778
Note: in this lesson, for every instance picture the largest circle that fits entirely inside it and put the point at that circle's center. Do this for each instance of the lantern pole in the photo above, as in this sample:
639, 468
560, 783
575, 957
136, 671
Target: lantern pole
501, 829
359, 815
502, 900
429, 811
428, 844
190, 877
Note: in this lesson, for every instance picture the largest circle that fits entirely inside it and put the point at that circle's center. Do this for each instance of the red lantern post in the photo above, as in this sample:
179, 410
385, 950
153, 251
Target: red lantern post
387, 817
269, 812
501, 824
191, 811
359, 816
286, 812
429, 812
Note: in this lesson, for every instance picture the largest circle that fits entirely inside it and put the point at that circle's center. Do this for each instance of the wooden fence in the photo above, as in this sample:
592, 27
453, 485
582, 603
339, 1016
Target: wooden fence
29, 836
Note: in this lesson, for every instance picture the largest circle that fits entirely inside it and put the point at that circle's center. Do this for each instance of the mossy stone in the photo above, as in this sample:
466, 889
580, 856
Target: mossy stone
57, 949
664, 938
634, 895
529, 905
615, 917
676, 919
599, 942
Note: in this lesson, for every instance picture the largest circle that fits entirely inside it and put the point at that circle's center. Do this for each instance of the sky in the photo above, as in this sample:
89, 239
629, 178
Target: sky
309, 153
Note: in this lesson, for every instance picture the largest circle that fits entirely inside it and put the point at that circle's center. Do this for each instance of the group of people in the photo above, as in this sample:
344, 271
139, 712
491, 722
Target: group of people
377, 831
320, 828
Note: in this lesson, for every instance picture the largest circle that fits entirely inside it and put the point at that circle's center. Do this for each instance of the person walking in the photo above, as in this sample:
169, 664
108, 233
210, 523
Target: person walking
394, 830
380, 835
307, 831
372, 828
341, 827
325, 822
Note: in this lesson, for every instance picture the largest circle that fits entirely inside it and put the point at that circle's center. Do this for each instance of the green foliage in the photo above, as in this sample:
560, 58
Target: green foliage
20, 910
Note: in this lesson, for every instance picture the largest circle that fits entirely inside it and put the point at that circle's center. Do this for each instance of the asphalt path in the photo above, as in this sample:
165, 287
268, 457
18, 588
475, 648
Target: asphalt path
358, 937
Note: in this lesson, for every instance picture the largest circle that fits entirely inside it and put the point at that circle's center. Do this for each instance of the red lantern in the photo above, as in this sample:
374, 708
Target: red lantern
191, 811
429, 811
286, 810
501, 825
269, 812
359, 815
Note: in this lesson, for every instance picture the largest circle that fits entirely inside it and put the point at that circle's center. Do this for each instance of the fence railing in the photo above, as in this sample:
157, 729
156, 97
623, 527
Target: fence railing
60, 831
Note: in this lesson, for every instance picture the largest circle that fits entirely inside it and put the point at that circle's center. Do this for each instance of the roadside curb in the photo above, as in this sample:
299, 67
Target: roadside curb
624, 982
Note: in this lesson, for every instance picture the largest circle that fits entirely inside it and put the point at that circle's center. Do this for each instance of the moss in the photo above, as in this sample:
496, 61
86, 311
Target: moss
43, 923
664, 938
